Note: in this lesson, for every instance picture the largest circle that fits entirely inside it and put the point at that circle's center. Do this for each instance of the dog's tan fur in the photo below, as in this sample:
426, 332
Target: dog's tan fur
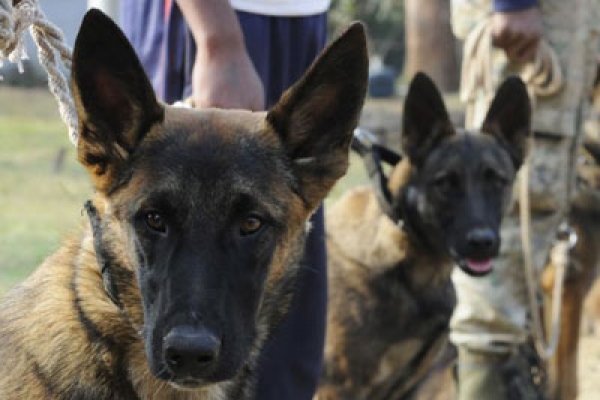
581, 271
379, 244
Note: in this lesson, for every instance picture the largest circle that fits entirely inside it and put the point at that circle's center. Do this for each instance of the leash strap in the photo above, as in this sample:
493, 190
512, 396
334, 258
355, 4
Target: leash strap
102, 255
566, 239
373, 154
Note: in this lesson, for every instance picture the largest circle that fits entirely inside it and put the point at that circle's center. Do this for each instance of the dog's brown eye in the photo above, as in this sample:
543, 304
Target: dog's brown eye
156, 221
250, 225
445, 183
494, 177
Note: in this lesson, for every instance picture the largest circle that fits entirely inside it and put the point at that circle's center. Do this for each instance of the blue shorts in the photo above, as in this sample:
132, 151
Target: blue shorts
281, 48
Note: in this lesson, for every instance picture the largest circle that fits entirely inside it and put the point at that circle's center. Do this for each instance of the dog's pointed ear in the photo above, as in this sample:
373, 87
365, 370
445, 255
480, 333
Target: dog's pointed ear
425, 119
115, 102
509, 118
315, 118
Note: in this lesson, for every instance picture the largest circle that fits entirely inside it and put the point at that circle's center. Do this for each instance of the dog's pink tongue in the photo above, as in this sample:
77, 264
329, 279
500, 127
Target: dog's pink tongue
480, 266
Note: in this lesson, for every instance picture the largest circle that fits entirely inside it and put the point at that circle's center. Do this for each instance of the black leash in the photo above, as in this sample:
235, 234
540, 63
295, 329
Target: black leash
373, 155
103, 257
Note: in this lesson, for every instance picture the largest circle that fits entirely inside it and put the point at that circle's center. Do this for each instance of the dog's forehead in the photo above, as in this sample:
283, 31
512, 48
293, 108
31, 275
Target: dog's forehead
202, 124
201, 155
212, 136
469, 148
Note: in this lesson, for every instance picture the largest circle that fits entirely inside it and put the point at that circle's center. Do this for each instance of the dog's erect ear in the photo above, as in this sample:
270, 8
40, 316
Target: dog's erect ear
509, 118
425, 119
315, 117
115, 102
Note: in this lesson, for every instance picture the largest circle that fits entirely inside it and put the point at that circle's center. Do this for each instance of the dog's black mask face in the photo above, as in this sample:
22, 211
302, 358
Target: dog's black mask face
462, 182
206, 223
210, 206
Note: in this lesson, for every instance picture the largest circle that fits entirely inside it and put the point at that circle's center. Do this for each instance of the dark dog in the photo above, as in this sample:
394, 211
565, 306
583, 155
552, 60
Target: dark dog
391, 296
196, 235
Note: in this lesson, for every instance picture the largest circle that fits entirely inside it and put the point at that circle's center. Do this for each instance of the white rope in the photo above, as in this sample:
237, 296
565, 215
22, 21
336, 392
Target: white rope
52, 51
559, 258
543, 76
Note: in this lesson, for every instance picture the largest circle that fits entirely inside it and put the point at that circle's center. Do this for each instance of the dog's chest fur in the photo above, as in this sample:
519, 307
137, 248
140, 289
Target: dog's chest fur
387, 291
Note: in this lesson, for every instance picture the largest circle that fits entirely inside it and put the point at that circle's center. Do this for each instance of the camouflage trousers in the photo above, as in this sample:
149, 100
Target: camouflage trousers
492, 315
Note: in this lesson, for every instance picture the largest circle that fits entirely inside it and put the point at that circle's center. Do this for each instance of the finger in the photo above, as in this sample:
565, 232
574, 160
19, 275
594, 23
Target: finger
500, 38
235, 103
506, 39
200, 102
527, 51
258, 103
519, 49
512, 51
206, 101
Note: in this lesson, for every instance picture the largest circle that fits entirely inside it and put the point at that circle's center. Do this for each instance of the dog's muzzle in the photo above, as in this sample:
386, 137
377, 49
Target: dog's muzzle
481, 247
190, 353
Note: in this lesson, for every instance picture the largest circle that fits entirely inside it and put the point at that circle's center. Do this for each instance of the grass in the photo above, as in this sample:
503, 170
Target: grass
39, 206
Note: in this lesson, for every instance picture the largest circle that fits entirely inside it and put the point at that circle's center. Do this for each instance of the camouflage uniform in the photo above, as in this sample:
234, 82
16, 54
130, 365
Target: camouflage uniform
491, 320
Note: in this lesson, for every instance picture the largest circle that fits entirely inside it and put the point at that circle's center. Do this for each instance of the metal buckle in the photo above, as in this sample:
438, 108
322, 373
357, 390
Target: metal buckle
567, 234
365, 138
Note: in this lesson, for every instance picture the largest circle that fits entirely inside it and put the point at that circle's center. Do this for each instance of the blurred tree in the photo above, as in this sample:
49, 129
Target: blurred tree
385, 23
430, 44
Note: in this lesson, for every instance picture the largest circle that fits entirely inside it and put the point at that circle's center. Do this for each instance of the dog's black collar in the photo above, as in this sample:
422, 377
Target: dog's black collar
403, 211
411, 223
373, 155
103, 257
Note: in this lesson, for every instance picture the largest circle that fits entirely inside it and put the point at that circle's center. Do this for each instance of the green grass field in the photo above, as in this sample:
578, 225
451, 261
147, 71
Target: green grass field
39, 206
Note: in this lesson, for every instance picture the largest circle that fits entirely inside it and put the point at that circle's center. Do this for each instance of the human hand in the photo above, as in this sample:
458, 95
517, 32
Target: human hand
226, 78
518, 33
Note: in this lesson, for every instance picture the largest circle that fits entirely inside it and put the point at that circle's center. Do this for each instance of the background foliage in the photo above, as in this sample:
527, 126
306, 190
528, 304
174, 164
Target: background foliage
385, 21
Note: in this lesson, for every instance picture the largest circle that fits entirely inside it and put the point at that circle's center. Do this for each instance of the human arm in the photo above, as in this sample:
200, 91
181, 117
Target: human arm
223, 75
517, 28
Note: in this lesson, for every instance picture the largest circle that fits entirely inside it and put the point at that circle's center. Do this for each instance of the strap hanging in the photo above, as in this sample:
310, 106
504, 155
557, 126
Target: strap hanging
373, 154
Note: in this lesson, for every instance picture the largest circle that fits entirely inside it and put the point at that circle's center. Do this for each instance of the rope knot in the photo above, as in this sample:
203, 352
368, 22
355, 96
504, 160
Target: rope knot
50, 43
14, 22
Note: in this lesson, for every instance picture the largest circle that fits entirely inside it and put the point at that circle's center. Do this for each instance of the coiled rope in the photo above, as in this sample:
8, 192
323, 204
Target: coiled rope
21, 16
543, 76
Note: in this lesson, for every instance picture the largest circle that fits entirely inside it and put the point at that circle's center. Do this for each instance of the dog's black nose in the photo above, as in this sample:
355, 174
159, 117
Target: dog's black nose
481, 240
190, 351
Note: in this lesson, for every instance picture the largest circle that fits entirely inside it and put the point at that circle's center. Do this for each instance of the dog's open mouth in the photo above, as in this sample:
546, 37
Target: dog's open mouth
473, 266
479, 266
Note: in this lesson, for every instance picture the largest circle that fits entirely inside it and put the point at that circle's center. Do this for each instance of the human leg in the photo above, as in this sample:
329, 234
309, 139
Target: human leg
282, 49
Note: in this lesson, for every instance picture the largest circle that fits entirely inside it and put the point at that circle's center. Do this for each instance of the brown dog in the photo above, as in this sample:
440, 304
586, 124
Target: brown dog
580, 274
196, 236
391, 297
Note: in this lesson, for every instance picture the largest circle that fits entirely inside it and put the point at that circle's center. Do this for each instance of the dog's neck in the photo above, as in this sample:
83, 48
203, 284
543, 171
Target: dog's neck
412, 225
427, 259
405, 205
365, 235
